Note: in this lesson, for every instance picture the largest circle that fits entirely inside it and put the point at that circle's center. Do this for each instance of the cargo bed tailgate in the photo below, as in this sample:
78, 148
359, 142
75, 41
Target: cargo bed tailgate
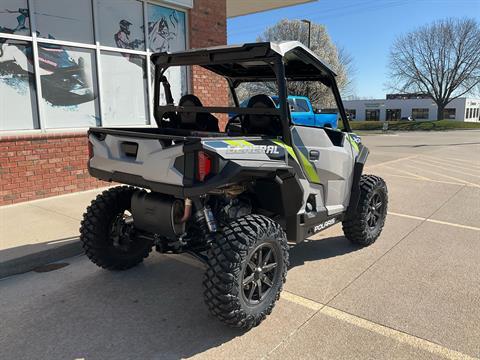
136, 158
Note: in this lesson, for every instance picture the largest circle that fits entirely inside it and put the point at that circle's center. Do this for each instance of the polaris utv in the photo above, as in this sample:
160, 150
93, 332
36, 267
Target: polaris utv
234, 199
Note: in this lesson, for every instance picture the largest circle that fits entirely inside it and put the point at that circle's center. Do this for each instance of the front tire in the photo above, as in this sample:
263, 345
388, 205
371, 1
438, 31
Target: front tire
247, 267
365, 224
107, 233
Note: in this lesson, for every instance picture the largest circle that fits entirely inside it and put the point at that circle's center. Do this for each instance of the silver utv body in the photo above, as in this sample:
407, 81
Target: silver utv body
324, 164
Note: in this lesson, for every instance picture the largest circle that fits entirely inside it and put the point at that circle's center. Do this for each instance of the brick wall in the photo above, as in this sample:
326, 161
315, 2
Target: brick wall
43, 165
38, 166
208, 26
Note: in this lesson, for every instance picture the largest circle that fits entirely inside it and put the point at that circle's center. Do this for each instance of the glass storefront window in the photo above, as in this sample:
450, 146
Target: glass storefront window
124, 86
67, 68
14, 17
450, 113
393, 114
18, 104
69, 86
167, 32
372, 114
420, 114
69, 20
121, 24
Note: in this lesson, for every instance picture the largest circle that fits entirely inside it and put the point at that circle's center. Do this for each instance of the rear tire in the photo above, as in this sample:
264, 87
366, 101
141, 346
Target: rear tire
364, 226
247, 267
107, 237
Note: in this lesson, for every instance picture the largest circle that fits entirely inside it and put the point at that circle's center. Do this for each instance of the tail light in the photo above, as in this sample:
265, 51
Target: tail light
204, 165
90, 150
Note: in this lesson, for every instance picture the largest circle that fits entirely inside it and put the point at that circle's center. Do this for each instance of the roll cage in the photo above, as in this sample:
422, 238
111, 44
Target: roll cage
255, 62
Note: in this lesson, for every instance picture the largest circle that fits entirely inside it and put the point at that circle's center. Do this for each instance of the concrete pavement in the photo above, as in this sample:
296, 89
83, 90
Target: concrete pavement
414, 294
41, 231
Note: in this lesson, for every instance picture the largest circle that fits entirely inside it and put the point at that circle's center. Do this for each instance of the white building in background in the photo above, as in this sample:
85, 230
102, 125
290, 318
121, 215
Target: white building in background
421, 108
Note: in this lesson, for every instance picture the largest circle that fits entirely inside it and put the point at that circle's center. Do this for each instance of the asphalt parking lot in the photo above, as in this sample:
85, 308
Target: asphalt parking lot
414, 294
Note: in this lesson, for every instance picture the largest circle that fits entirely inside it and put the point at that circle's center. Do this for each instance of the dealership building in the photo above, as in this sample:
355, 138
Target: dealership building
419, 107
68, 65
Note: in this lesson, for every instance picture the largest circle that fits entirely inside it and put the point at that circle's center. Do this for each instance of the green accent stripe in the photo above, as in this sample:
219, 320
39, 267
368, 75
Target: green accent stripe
309, 169
353, 142
288, 148
239, 143
307, 166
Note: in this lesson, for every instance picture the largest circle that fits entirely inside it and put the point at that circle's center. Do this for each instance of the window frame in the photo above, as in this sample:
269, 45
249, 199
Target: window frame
423, 110
449, 112
390, 111
375, 110
96, 65
300, 108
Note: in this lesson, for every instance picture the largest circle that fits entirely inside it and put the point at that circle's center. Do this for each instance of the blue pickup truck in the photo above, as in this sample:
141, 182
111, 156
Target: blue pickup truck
303, 114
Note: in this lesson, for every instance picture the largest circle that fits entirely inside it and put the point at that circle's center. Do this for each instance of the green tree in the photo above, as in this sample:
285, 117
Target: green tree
320, 43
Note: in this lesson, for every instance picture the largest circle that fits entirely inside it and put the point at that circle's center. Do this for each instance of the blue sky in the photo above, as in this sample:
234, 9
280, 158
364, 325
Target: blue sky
366, 28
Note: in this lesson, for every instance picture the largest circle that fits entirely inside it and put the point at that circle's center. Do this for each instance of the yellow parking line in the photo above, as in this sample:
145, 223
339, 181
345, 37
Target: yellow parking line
434, 221
391, 161
300, 300
431, 180
407, 216
453, 224
402, 337
443, 166
469, 167
408, 173
446, 176
460, 160
397, 335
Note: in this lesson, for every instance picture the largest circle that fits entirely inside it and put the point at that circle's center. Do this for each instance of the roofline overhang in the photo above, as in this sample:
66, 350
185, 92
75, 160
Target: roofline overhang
235, 8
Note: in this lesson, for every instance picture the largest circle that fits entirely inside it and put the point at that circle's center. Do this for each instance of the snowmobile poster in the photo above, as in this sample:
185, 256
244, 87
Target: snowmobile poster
65, 81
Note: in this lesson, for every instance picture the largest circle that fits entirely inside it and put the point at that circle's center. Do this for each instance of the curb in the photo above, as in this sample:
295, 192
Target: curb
28, 260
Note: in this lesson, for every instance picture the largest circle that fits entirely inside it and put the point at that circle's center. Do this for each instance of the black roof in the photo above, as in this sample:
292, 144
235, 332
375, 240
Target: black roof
252, 62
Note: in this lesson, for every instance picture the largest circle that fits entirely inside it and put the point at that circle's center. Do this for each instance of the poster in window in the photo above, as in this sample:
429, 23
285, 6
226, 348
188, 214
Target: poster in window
124, 89
166, 29
167, 32
14, 17
69, 86
121, 24
69, 20
18, 105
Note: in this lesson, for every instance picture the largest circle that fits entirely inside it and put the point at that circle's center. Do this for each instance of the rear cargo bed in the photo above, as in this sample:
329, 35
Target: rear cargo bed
163, 160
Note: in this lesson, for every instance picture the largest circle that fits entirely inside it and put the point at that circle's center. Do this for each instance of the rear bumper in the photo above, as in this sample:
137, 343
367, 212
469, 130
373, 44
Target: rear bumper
232, 173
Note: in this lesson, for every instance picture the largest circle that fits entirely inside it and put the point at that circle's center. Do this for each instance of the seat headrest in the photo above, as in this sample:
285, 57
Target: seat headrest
261, 100
262, 124
196, 121
189, 100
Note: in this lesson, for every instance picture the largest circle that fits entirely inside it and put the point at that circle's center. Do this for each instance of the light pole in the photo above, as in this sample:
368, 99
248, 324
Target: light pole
309, 29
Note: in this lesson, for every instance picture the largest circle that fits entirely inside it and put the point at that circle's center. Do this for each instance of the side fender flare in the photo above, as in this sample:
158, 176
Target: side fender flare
360, 161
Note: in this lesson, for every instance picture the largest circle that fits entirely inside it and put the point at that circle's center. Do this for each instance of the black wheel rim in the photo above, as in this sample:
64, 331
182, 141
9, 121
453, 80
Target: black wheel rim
376, 210
260, 274
121, 231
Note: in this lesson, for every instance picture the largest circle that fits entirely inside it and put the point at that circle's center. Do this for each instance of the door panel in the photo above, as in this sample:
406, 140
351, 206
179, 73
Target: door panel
333, 164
